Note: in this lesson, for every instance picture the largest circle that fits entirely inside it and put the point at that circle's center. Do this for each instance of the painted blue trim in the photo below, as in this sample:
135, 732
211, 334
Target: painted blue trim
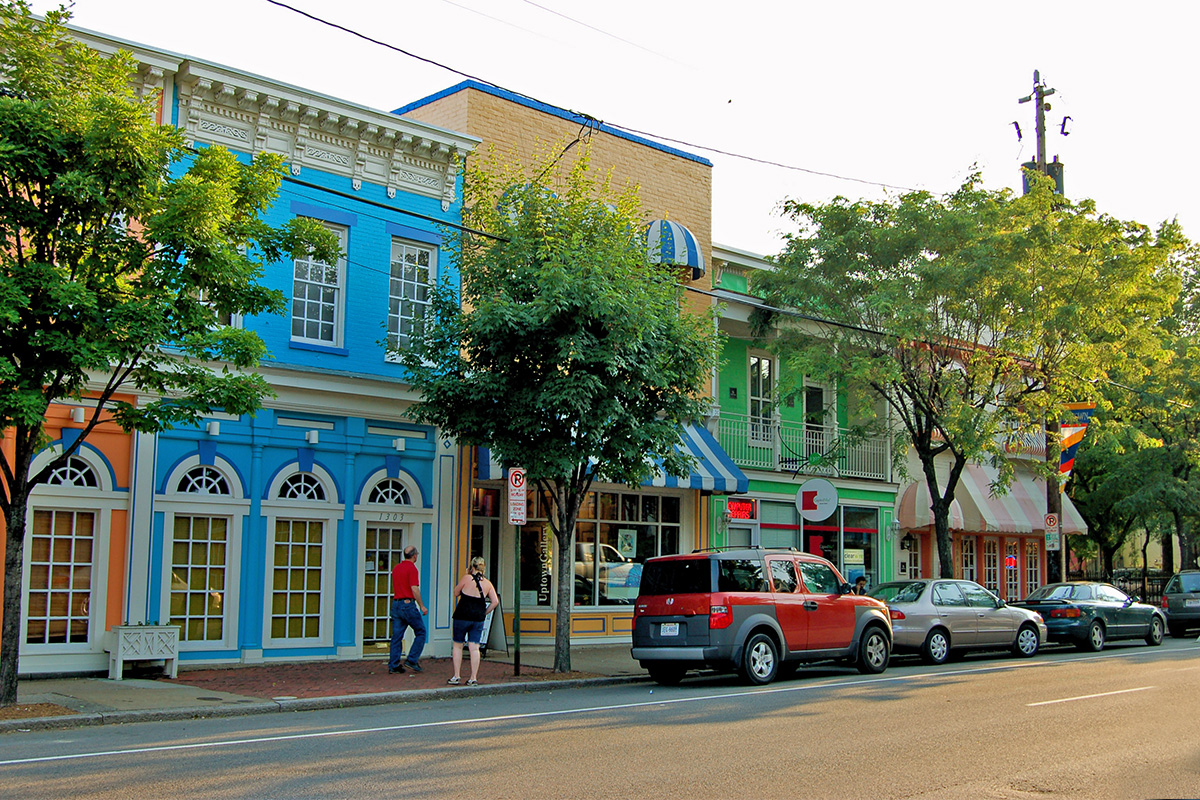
294, 652
334, 215
208, 452
319, 348
415, 234
197, 655
561, 113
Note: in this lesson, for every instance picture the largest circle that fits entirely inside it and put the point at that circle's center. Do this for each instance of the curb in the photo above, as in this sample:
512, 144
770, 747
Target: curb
303, 704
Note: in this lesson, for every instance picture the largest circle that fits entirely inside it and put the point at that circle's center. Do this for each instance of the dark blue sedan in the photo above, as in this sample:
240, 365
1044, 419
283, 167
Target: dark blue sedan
1087, 614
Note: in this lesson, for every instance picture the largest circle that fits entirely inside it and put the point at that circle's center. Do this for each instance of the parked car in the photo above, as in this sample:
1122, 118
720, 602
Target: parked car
1088, 613
1181, 602
935, 617
617, 576
755, 611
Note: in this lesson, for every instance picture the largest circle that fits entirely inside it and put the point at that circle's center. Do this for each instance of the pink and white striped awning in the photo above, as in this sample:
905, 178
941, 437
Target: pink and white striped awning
1021, 510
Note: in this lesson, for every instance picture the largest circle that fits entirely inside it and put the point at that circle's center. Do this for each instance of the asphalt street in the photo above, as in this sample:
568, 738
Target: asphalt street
1121, 723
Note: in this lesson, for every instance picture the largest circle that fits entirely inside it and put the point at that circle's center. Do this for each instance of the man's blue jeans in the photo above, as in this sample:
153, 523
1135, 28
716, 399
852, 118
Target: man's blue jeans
406, 614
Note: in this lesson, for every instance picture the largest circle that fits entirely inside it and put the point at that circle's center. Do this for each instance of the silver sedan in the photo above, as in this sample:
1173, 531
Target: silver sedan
933, 617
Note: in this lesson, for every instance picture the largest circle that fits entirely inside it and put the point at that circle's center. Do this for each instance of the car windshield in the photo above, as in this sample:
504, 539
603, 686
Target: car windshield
1057, 592
906, 592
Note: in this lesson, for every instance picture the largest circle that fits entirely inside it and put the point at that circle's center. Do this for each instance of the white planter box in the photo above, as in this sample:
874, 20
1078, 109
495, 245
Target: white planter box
142, 643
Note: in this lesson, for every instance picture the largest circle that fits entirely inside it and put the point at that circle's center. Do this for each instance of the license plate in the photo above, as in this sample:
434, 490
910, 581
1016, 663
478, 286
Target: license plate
669, 629
1192, 602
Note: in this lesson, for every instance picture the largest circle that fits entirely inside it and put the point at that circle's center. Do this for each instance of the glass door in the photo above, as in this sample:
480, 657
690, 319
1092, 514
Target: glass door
384, 549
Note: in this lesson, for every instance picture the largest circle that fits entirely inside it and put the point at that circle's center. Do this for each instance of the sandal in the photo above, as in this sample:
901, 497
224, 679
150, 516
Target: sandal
453, 681
472, 682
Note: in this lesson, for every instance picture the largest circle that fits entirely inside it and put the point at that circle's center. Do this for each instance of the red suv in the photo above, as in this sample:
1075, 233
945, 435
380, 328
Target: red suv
755, 611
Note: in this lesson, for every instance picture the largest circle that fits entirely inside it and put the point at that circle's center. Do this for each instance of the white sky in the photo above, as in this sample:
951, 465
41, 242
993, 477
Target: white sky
914, 94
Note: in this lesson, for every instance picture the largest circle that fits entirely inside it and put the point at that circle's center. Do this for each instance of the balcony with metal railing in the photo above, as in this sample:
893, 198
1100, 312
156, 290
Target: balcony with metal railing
775, 446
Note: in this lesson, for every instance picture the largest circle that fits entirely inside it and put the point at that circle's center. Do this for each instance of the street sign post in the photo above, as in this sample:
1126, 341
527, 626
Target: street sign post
1053, 540
517, 504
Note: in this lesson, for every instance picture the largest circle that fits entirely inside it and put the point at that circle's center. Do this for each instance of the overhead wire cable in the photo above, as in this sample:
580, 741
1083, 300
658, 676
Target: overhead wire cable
598, 122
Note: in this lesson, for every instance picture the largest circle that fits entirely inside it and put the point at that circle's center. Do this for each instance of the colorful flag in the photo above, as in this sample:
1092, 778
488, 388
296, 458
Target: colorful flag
1071, 434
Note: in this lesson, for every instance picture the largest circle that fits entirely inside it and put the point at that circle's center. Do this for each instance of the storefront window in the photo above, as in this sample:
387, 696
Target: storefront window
537, 565
609, 554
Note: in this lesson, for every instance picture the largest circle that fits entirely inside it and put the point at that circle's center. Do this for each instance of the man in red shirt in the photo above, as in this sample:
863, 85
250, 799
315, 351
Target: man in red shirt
407, 612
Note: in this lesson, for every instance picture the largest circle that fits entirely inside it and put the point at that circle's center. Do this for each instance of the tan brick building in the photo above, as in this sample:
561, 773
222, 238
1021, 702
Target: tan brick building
619, 527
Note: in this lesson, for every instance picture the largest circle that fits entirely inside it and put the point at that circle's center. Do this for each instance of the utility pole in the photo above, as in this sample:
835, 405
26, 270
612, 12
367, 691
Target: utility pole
1056, 567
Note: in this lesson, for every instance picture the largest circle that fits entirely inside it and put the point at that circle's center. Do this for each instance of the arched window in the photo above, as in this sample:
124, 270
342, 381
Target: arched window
302, 486
390, 491
76, 472
203, 480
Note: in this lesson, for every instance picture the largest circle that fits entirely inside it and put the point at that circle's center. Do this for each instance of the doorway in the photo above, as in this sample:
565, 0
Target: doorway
384, 549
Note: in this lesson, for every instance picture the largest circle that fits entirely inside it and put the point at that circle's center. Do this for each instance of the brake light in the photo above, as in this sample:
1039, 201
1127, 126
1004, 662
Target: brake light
1065, 613
896, 613
1165, 604
719, 617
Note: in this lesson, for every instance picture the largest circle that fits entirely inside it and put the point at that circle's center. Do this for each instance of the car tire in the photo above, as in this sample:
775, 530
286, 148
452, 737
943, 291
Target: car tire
760, 660
936, 649
666, 674
1155, 636
1178, 631
1094, 640
1027, 642
874, 651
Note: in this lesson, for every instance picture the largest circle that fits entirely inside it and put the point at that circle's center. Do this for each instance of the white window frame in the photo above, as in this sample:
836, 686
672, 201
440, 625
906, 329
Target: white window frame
234, 507
761, 433
325, 511
101, 502
339, 300
396, 340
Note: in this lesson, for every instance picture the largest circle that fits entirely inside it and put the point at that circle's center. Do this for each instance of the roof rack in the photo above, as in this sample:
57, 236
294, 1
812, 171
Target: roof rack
725, 548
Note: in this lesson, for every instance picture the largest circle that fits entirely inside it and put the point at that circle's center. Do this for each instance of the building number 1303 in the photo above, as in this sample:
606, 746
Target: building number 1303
391, 516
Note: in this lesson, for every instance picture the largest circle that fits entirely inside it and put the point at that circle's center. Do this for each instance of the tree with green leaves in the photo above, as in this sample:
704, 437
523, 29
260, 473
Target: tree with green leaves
1116, 484
566, 352
973, 316
116, 265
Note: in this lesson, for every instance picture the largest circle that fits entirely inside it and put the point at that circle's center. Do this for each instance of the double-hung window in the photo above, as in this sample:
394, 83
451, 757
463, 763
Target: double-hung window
762, 389
318, 296
413, 270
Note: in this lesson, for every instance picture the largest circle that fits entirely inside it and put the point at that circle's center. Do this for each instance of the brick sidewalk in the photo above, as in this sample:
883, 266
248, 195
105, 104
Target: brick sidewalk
333, 678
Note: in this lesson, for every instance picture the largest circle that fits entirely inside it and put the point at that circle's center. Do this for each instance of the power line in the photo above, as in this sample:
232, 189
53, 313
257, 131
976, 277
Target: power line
602, 32
494, 85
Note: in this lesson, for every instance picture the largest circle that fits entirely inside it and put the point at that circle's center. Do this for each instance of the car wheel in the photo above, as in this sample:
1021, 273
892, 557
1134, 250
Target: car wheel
874, 652
936, 648
1177, 631
1094, 641
1027, 642
1155, 636
666, 674
760, 660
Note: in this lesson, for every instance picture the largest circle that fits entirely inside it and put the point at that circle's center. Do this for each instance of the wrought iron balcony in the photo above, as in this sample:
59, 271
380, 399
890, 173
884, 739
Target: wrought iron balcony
757, 443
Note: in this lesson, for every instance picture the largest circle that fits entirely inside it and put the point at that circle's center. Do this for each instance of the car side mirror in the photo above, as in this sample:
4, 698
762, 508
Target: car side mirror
846, 588
1000, 602
1133, 599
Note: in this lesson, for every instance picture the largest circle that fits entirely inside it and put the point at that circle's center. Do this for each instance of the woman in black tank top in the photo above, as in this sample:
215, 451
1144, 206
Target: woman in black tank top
476, 596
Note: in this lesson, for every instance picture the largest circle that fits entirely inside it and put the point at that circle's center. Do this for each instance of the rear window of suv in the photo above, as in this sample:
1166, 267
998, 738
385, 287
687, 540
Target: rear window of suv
683, 576
741, 575
1189, 582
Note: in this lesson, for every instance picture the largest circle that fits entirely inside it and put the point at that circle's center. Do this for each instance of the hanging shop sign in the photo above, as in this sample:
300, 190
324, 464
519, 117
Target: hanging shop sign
816, 499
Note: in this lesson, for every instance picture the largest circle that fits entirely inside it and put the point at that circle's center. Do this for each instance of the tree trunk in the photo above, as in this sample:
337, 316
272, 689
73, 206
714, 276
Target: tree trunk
565, 575
941, 527
1106, 561
10, 634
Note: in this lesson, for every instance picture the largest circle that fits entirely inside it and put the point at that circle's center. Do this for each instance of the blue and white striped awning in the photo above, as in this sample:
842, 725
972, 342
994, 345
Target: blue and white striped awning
714, 471
674, 245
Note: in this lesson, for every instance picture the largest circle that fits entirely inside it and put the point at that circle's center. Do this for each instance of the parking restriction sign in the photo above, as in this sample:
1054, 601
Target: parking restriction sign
1053, 542
517, 506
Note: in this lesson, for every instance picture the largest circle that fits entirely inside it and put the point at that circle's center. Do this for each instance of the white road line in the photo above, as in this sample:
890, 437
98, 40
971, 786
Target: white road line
1089, 696
805, 687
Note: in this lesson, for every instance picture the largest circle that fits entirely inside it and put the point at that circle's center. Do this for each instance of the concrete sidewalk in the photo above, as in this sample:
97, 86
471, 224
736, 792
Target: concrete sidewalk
296, 686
